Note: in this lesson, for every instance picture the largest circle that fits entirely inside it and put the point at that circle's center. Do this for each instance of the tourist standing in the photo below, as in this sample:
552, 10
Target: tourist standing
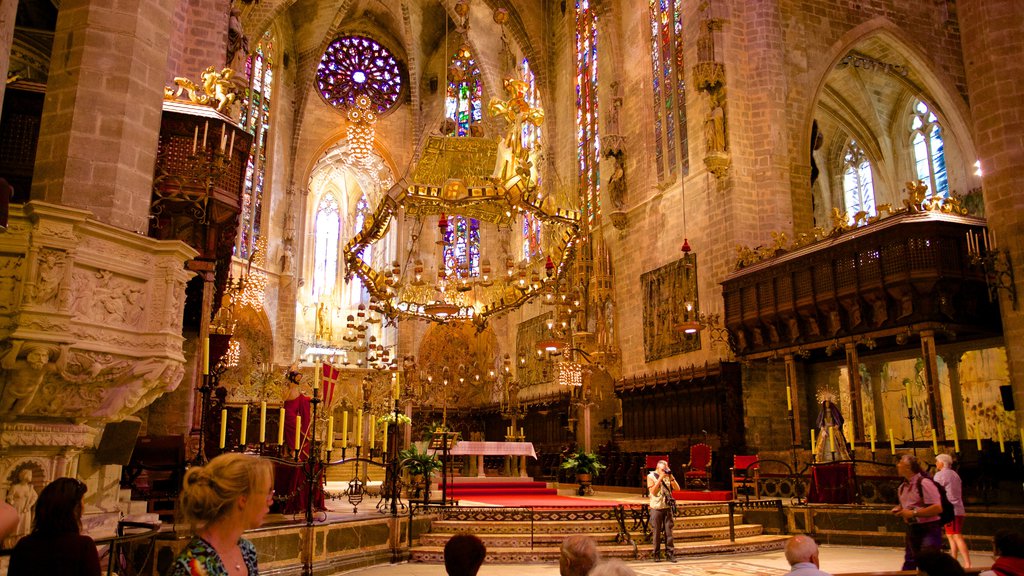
660, 485
221, 500
950, 481
802, 555
919, 507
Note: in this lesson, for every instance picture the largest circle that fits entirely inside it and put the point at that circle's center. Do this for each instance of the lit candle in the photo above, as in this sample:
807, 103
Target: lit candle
909, 401
384, 442
223, 426
330, 434
892, 442
813, 443
373, 432
231, 148
195, 139
935, 441
999, 433
245, 424
873, 434
298, 432
978, 440
359, 429
344, 429
832, 438
206, 127
956, 440
206, 356
789, 399
263, 422
398, 390
316, 377
280, 428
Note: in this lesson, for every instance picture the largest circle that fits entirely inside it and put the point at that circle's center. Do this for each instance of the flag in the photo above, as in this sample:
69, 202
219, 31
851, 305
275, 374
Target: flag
330, 381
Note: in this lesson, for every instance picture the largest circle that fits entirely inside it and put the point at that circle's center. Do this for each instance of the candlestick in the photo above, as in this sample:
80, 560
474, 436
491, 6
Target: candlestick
206, 356
359, 429
935, 441
245, 424
330, 434
373, 432
344, 429
789, 399
999, 433
298, 432
263, 422
892, 442
280, 428
223, 426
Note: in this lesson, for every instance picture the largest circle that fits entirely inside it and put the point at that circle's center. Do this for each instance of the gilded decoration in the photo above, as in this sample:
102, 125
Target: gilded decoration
532, 370
457, 354
215, 89
665, 292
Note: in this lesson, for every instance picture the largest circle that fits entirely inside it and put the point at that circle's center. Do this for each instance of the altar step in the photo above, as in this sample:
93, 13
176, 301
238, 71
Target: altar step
467, 489
699, 529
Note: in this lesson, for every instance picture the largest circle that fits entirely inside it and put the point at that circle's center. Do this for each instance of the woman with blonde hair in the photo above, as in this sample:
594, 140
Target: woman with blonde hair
221, 500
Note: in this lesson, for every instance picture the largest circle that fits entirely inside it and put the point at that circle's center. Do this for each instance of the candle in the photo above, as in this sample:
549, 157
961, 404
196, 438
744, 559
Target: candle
956, 440
910, 403
344, 429
206, 127
373, 432
330, 433
849, 434
832, 438
873, 434
935, 441
231, 148
359, 429
999, 433
280, 428
316, 377
384, 442
978, 440
245, 423
813, 443
206, 356
398, 390
521, 435
223, 426
789, 399
298, 432
892, 442
263, 422
195, 140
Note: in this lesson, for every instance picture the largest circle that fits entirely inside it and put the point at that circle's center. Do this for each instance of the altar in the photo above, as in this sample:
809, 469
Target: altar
516, 451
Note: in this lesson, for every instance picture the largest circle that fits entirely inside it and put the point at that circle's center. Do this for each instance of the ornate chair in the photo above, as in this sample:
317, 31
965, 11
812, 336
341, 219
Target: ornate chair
745, 469
697, 471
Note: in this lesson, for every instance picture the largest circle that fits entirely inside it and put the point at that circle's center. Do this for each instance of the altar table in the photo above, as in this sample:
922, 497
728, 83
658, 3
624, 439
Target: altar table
481, 449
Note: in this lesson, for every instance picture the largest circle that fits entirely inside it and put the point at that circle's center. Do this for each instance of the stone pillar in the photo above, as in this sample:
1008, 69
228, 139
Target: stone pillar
956, 394
992, 45
931, 382
875, 370
856, 402
8, 11
101, 117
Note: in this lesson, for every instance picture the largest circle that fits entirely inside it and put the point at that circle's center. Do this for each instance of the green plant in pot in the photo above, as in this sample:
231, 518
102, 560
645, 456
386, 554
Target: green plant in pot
585, 465
419, 465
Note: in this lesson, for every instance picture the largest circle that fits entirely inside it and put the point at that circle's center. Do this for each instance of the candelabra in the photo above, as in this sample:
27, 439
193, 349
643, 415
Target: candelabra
994, 262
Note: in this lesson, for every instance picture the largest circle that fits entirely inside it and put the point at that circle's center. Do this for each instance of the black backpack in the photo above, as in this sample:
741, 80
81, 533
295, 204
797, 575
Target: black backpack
948, 513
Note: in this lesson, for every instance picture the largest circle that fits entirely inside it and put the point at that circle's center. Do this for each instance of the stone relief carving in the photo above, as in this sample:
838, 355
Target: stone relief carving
48, 278
22, 496
70, 436
104, 298
22, 378
10, 278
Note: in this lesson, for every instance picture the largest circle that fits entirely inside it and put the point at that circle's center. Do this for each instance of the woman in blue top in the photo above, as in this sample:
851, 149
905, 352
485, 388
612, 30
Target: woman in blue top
220, 501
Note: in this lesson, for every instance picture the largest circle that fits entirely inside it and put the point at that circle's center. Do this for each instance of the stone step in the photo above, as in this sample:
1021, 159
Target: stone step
547, 539
523, 555
575, 526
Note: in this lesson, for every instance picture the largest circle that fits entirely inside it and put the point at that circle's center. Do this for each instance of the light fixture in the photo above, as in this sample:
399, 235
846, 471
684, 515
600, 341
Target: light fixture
551, 345
441, 309
360, 130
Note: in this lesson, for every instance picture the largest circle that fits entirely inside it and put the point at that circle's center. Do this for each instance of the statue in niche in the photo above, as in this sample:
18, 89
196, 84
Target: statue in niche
22, 496
714, 126
617, 181
323, 322
238, 42
286, 258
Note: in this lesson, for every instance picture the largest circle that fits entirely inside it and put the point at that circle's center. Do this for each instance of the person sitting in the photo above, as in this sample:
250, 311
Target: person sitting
220, 501
56, 545
463, 555
938, 564
802, 555
578, 557
1008, 548
612, 567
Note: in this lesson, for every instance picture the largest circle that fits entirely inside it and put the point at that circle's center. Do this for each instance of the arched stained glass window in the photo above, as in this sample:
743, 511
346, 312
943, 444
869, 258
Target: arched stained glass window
858, 187
532, 231
588, 145
356, 65
255, 118
356, 292
327, 230
462, 251
463, 105
929, 158
531, 134
669, 83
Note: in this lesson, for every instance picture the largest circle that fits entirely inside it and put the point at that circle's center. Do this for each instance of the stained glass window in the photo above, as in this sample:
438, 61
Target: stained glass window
588, 145
356, 65
929, 158
255, 118
356, 292
669, 82
327, 227
531, 236
463, 104
462, 250
857, 183
531, 134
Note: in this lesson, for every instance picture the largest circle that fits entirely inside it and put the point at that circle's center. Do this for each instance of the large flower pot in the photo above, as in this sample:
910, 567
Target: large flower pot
584, 481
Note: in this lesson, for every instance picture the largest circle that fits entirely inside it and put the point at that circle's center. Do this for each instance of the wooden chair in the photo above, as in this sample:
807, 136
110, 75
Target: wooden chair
698, 470
745, 469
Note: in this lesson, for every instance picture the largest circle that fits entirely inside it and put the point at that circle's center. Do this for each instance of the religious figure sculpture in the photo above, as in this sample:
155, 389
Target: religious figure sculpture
714, 126
323, 322
23, 497
238, 42
617, 181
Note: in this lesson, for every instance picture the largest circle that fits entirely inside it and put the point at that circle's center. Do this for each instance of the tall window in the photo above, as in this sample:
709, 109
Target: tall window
465, 93
857, 183
531, 134
327, 226
669, 82
255, 118
462, 251
356, 292
531, 235
929, 159
588, 151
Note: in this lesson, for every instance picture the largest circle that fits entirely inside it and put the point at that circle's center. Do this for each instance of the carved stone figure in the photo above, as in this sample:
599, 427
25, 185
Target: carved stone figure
51, 271
286, 258
714, 126
23, 497
238, 42
323, 322
617, 181
23, 382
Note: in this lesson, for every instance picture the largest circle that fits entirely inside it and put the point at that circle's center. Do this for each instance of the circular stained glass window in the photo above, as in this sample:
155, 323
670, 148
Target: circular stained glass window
354, 66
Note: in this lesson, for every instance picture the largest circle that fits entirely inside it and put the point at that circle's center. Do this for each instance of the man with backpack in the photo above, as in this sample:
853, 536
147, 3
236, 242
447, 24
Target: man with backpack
920, 507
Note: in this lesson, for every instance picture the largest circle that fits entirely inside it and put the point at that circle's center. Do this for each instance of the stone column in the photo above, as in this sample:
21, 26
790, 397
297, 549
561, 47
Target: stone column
931, 382
8, 10
875, 370
101, 116
992, 45
856, 406
956, 394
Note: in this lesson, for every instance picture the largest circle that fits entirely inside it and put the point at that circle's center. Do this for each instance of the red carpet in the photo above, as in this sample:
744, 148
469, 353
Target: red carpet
473, 490
542, 501
714, 495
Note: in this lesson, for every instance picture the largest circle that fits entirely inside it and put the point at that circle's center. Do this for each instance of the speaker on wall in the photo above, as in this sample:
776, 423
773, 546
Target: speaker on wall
118, 442
1007, 393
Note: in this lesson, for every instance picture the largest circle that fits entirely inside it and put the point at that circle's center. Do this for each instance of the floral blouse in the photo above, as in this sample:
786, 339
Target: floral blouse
200, 559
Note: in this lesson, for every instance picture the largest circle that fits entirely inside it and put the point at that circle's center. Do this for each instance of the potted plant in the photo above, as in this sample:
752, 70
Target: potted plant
585, 465
420, 466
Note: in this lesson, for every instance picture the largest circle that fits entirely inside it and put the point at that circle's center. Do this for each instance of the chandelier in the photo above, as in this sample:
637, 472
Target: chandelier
492, 182
360, 130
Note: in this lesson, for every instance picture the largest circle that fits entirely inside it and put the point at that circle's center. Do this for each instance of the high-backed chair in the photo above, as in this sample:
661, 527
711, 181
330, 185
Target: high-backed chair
745, 470
650, 463
698, 469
